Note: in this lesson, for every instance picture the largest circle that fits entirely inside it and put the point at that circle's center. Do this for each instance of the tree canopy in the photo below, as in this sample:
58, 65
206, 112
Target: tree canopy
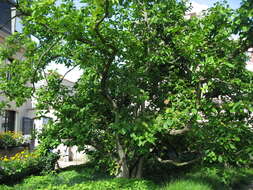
155, 84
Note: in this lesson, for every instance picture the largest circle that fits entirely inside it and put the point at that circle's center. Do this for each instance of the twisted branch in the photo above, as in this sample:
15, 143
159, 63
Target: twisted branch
175, 163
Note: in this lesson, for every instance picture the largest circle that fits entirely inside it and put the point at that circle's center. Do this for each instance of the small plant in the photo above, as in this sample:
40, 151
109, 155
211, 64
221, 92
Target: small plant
24, 155
25, 163
10, 139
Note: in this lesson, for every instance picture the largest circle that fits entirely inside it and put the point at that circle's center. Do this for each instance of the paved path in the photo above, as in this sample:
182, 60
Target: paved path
250, 187
64, 164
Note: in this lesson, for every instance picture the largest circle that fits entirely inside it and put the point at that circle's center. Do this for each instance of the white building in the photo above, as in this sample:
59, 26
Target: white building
13, 118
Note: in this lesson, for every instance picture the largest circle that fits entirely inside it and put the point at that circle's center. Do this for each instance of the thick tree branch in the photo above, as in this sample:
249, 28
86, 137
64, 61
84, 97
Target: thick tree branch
41, 116
101, 20
179, 131
105, 76
123, 166
111, 53
175, 163
101, 37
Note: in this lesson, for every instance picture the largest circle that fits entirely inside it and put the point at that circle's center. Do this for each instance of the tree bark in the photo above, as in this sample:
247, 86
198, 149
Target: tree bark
179, 131
140, 168
175, 163
136, 170
124, 169
133, 172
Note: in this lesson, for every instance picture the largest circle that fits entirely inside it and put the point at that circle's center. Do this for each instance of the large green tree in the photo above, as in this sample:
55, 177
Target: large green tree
155, 84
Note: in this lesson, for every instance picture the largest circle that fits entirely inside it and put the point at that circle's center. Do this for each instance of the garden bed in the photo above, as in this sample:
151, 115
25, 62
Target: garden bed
25, 163
11, 151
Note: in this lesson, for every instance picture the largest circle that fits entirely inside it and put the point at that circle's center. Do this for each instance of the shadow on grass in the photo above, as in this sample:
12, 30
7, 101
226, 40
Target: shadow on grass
211, 182
215, 177
163, 176
81, 173
243, 181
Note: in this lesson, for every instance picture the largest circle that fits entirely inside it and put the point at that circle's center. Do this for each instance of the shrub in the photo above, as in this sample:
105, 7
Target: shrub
24, 164
10, 139
48, 161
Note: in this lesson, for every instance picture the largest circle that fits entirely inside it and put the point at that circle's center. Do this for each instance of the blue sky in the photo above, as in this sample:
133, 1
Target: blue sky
233, 3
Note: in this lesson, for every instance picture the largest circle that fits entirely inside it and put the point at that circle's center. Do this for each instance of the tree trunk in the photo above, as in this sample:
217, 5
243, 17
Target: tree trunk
133, 172
124, 169
136, 171
140, 168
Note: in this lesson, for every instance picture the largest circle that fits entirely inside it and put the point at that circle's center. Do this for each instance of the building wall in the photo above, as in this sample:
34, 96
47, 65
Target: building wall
251, 56
26, 110
66, 153
5, 15
21, 112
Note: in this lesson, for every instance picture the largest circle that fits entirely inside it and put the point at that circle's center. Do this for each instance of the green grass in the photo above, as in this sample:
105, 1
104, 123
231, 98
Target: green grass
86, 178
184, 184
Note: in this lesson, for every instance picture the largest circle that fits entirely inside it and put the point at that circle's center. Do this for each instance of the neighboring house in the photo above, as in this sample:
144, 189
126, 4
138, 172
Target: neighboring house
17, 119
66, 153
250, 53
22, 119
249, 64
42, 121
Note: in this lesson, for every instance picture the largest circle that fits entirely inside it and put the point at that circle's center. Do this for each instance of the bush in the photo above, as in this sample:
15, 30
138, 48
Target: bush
48, 161
113, 184
24, 164
10, 139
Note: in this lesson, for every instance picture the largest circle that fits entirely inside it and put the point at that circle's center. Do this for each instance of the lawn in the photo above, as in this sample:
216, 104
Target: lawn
86, 178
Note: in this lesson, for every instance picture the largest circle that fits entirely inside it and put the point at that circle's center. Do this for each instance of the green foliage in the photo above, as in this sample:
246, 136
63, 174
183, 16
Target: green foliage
86, 177
107, 184
80, 178
10, 139
148, 74
186, 185
219, 177
24, 164
244, 22
17, 169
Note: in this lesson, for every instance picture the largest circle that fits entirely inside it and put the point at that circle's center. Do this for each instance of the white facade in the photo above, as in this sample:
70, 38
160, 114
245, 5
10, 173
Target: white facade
13, 115
23, 119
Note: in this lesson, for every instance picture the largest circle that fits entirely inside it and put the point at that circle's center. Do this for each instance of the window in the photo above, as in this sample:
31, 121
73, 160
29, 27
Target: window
7, 12
27, 126
8, 122
5, 16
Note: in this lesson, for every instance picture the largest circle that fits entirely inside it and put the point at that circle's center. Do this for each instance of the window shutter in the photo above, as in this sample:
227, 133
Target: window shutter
5, 15
9, 120
27, 126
